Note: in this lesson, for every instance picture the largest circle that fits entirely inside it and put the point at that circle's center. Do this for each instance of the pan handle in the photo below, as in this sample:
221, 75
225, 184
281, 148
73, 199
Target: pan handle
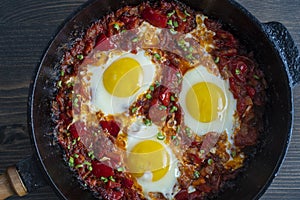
11, 183
21, 179
287, 49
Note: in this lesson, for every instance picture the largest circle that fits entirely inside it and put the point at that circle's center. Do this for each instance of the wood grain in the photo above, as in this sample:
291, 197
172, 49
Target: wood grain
26, 27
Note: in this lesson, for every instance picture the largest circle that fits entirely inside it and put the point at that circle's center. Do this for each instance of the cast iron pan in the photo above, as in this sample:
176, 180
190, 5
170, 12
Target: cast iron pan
274, 50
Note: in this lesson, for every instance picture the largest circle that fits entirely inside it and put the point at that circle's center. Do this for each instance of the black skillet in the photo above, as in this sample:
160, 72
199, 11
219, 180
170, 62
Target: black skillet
274, 50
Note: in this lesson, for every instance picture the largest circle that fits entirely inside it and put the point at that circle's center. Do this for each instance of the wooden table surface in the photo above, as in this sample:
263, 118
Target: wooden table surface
26, 27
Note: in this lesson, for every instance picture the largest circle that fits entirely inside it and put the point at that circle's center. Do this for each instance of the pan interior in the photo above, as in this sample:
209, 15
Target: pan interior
245, 27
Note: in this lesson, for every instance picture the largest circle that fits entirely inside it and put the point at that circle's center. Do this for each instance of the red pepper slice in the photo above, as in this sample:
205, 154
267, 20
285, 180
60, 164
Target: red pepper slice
101, 170
251, 91
154, 17
110, 126
103, 43
127, 183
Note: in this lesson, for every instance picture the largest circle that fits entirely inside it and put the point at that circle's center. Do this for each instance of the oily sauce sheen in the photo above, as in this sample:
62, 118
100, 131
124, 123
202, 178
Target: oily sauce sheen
158, 101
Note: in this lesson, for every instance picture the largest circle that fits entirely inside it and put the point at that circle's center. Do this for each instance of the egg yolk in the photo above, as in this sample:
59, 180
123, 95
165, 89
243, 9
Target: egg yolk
205, 101
123, 77
148, 156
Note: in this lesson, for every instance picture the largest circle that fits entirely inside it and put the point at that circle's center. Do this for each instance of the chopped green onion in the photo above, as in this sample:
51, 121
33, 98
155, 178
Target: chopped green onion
196, 174
74, 142
186, 13
76, 155
80, 57
175, 23
210, 161
148, 96
202, 151
173, 137
177, 129
217, 60
90, 153
79, 166
62, 73
69, 147
161, 107
105, 180
184, 19
157, 56
134, 109
157, 83
123, 31
147, 122
112, 179
135, 39
170, 22
78, 139
173, 109
87, 163
191, 49
172, 98
151, 88
120, 169
256, 77
117, 27
237, 71
160, 136
171, 13
90, 168
190, 56
172, 30
59, 84
71, 162
233, 154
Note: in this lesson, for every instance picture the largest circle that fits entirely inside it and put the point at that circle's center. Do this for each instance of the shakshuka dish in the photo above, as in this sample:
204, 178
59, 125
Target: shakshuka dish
158, 101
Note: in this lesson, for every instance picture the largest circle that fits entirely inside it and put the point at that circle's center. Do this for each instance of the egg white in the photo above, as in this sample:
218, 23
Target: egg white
103, 100
138, 132
225, 121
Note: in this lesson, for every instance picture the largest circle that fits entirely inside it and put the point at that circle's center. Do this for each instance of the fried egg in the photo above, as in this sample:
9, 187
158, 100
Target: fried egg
117, 83
208, 104
151, 160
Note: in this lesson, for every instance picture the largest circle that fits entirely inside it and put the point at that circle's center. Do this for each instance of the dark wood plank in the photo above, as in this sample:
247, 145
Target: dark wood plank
26, 27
